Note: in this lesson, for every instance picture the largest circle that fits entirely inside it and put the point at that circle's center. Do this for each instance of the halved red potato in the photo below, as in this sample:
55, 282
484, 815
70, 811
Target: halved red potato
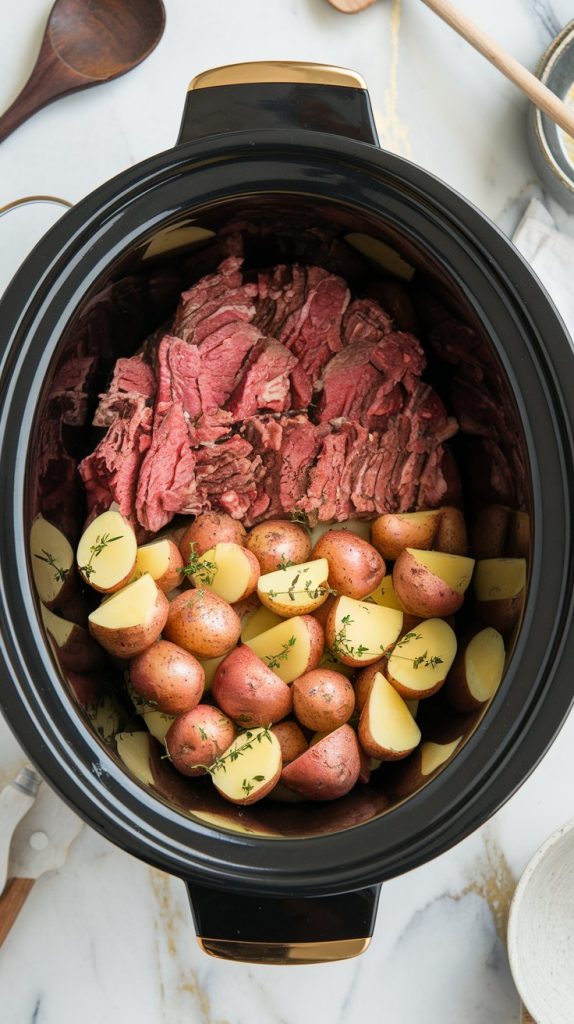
359, 632
202, 623
134, 750
387, 730
277, 543
431, 583
52, 560
106, 554
490, 532
130, 620
250, 692
295, 590
291, 740
451, 536
167, 677
158, 723
421, 661
323, 700
386, 597
163, 561
73, 646
291, 648
518, 540
355, 567
209, 529
364, 681
499, 588
197, 737
425, 762
477, 671
228, 570
393, 532
327, 770
258, 622
247, 778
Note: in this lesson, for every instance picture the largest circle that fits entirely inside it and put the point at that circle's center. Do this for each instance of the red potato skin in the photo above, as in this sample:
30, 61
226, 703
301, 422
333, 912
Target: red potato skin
451, 536
278, 540
364, 681
421, 592
322, 613
172, 577
317, 638
247, 690
290, 739
209, 529
246, 607
127, 642
197, 737
355, 567
365, 767
323, 700
168, 677
202, 623
490, 532
328, 770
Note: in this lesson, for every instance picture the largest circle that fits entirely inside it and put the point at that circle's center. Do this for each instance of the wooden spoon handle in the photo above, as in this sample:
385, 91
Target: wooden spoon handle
50, 78
11, 902
513, 69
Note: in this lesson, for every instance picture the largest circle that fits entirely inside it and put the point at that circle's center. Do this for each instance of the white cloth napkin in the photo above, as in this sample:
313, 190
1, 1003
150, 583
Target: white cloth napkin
550, 253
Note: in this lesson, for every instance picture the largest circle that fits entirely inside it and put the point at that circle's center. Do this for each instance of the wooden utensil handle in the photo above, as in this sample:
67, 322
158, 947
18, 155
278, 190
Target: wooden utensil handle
11, 902
513, 69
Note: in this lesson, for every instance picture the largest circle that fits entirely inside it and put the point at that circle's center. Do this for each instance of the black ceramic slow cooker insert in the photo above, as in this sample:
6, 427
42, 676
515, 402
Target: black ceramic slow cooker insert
273, 882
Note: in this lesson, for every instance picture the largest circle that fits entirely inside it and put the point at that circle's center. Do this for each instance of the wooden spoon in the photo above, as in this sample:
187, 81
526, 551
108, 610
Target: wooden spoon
85, 44
540, 95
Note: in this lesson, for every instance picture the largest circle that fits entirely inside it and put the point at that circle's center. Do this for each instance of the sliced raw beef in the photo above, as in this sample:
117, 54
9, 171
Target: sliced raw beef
221, 357
365, 320
215, 300
225, 476
264, 384
70, 389
112, 470
167, 476
177, 369
132, 388
287, 447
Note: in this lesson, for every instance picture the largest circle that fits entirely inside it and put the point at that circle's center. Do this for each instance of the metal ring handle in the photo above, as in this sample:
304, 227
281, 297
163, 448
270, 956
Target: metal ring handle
30, 200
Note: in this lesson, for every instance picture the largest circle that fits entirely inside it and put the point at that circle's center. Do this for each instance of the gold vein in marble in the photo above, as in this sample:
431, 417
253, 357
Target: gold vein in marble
393, 134
494, 882
170, 926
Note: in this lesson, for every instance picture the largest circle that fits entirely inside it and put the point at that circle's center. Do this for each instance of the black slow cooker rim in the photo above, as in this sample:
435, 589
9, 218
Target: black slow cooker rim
75, 763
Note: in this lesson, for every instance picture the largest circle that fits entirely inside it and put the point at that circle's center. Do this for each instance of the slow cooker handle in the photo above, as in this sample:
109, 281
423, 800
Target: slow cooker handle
272, 930
278, 94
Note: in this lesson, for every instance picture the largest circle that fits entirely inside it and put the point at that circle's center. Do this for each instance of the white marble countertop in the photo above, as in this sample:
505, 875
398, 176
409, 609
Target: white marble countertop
106, 938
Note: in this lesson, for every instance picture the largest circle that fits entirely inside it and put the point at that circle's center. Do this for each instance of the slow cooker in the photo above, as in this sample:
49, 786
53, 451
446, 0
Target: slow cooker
277, 883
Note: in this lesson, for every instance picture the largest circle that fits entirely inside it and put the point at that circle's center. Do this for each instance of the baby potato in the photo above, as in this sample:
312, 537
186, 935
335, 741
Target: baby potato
161, 558
490, 532
197, 737
431, 583
202, 623
477, 671
358, 632
387, 730
499, 587
364, 681
296, 590
323, 700
293, 647
291, 740
355, 568
106, 553
250, 692
228, 570
209, 529
451, 536
248, 778
131, 619
392, 532
167, 677
327, 770
278, 542
52, 563
421, 661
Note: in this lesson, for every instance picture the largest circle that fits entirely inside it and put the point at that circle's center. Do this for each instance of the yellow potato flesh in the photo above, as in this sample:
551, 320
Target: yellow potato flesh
59, 629
259, 762
259, 621
158, 723
365, 631
484, 663
391, 724
153, 559
385, 595
285, 648
52, 558
210, 666
226, 572
297, 590
130, 606
133, 749
435, 754
455, 570
117, 557
498, 579
411, 663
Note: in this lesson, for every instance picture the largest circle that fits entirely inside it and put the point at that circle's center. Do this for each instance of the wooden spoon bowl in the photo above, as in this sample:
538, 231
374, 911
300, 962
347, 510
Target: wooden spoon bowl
85, 44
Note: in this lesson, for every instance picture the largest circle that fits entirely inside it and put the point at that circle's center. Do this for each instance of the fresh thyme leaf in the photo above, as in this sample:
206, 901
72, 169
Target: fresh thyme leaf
96, 549
202, 732
259, 778
198, 567
219, 764
274, 660
46, 556
284, 563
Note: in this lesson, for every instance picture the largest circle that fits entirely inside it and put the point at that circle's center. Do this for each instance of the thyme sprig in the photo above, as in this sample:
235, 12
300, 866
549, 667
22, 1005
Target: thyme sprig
313, 592
201, 568
99, 545
274, 660
46, 556
219, 764
284, 563
341, 645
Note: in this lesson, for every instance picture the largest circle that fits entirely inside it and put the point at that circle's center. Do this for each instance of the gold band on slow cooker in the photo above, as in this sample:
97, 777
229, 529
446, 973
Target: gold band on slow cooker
278, 71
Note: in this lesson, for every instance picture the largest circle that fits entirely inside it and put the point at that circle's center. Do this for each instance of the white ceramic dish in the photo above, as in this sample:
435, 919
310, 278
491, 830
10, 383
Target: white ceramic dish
541, 931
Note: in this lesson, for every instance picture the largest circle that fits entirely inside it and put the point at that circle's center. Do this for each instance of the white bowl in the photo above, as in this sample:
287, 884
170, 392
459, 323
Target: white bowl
541, 931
